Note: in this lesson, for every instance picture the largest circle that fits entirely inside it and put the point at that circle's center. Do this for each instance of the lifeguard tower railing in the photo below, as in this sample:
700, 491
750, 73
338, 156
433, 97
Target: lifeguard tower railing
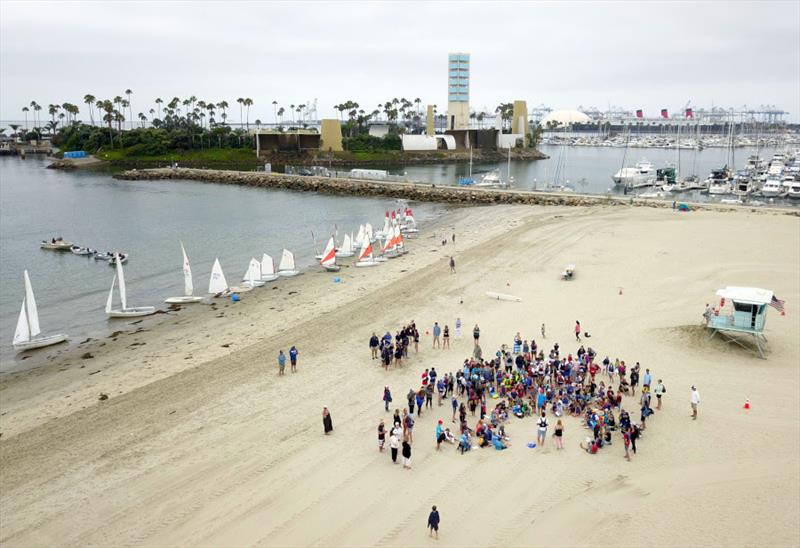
748, 316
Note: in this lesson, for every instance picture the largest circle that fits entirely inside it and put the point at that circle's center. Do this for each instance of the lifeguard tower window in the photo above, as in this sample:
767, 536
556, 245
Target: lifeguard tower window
747, 308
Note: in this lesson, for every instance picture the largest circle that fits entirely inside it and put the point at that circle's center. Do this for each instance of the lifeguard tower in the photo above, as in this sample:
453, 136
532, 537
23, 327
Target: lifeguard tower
747, 315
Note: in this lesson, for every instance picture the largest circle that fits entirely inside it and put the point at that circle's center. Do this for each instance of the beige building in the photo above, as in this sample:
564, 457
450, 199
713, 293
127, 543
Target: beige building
519, 120
331, 136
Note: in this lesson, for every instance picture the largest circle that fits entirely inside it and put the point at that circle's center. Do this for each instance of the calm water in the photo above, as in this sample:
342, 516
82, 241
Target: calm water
147, 220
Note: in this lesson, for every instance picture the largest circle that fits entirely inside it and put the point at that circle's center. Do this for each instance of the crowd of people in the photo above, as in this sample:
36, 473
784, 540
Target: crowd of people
520, 381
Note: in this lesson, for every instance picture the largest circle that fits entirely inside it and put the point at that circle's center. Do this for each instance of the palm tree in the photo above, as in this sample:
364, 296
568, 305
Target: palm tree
418, 101
159, 100
128, 92
275, 110
291, 109
25, 110
280, 114
240, 100
14, 128
36, 108
258, 123
142, 118
89, 100
222, 105
248, 102
52, 110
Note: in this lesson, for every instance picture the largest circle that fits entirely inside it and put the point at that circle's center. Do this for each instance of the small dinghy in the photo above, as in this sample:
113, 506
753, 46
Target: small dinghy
56, 244
188, 287
252, 276
85, 251
328, 260
124, 311
347, 247
218, 285
569, 272
502, 297
365, 257
27, 334
122, 257
268, 269
286, 268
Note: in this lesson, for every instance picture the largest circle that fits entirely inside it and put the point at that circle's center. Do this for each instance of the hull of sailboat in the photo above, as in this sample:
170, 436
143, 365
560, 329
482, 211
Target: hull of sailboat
187, 299
344, 254
132, 312
288, 273
366, 263
254, 283
269, 278
332, 268
40, 342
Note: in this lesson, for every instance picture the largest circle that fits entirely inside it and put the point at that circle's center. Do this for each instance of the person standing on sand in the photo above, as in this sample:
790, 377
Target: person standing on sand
281, 363
454, 402
439, 435
433, 518
695, 402
406, 453
293, 358
381, 436
541, 433
458, 329
394, 444
327, 422
452, 265
708, 313
436, 332
446, 338
373, 345
577, 330
476, 334
659, 391
411, 397
543, 335
559, 435
387, 398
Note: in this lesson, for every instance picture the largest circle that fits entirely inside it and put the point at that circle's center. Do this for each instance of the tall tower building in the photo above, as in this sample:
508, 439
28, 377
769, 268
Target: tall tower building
458, 91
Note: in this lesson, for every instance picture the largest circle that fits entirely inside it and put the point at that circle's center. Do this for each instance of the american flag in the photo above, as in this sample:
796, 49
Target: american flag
777, 304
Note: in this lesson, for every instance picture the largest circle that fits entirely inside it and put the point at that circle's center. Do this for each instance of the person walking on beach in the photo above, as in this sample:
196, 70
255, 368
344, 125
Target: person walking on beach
327, 422
381, 436
293, 358
281, 363
659, 391
406, 453
446, 338
577, 330
433, 517
452, 265
394, 444
695, 401
436, 332
476, 334
541, 432
387, 398
458, 329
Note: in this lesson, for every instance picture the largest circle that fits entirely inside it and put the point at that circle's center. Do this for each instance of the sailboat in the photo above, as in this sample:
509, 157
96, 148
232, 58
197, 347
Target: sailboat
188, 286
365, 257
359, 237
286, 267
268, 269
252, 277
26, 336
399, 242
328, 260
217, 284
467, 181
347, 247
124, 311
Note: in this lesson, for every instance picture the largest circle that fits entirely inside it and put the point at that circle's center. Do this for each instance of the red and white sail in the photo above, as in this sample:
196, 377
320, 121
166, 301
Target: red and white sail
329, 255
366, 251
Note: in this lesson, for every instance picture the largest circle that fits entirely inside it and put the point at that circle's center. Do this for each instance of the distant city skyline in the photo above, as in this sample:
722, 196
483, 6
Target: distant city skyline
646, 55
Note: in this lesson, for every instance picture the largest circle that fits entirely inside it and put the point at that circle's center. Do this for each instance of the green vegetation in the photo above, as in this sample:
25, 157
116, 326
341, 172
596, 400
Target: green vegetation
364, 142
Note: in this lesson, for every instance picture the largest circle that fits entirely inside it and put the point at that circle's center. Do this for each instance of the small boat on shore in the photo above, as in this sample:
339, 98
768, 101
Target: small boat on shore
56, 244
328, 260
365, 257
252, 277
346, 250
26, 335
268, 269
503, 297
124, 311
286, 268
217, 284
188, 286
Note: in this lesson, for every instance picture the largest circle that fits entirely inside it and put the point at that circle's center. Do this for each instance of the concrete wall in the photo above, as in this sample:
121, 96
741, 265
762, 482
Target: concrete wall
429, 122
508, 140
427, 142
519, 120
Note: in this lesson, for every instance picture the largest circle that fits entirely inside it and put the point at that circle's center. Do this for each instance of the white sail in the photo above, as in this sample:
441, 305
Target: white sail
329, 255
287, 261
31, 310
347, 244
22, 333
123, 291
253, 273
188, 286
111, 295
217, 283
368, 232
267, 265
360, 235
386, 226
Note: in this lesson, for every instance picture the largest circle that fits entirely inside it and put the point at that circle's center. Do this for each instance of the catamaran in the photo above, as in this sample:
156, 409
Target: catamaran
365, 257
124, 311
188, 286
26, 335
328, 260
217, 284
286, 267
268, 269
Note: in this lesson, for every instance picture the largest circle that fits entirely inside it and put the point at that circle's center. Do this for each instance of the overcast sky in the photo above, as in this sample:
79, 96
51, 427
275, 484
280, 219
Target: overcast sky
651, 55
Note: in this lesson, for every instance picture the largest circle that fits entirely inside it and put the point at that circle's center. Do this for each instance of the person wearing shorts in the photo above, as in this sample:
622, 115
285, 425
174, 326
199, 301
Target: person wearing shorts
476, 334
542, 430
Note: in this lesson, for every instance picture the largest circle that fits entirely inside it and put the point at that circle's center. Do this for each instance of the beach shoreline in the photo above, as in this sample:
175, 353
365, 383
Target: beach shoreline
200, 450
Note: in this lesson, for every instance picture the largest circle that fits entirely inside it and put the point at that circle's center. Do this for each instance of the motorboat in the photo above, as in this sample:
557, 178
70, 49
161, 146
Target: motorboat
640, 175
773, 186
56, 244
109, 256
28, 334
122, 257
794, 190
742, 184
124, 311
492, 180
718, 181
84, 251
188, 296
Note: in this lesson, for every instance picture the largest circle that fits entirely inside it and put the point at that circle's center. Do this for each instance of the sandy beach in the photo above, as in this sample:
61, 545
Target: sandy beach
201, 444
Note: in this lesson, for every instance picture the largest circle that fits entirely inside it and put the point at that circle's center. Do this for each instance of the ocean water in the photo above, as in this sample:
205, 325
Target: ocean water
147, 220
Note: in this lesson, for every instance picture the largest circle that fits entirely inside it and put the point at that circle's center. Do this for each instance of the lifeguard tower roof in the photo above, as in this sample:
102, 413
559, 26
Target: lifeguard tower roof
746, 295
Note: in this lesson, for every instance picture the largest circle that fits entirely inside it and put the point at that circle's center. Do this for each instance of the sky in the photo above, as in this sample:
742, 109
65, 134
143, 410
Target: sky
648, 55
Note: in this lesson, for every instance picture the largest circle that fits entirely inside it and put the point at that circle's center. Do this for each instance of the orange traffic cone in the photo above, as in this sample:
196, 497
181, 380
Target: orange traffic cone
747, 404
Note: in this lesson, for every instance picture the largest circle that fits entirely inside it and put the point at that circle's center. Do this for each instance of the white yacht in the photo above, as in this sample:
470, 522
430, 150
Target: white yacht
640, 175
794, 190
718, 182
492, 180
772, 187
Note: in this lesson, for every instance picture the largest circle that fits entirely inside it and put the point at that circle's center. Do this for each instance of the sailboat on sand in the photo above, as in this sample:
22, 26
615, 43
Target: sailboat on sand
286, 267
26, 335
217, 284
365, 257
188, 286
328, 260
124, 311
268, 269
